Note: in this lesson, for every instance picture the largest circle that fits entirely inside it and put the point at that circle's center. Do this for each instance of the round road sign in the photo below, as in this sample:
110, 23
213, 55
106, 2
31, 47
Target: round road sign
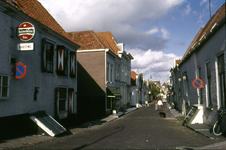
26, 31
198, 83
19, 70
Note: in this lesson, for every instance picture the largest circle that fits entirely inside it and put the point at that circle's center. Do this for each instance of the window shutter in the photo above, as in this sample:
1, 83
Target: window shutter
60, 60
43, 55
72, 64
71, 101
57, 92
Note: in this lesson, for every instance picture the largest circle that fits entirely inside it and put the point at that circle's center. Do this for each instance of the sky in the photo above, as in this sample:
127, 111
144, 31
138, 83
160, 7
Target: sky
154, 31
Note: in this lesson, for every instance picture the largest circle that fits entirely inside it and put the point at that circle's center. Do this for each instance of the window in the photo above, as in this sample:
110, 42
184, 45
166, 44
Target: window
72, 64
108, 71
47, 56
209, 84
201, 89
66, 62
4, 86
221, 75
111, 73
62, 99
64, 103
116, 77
118, 71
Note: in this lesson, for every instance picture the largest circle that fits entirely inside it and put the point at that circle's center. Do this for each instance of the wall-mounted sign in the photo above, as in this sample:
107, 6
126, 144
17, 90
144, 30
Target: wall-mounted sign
25, 46
198, 83
26, 31
19, 70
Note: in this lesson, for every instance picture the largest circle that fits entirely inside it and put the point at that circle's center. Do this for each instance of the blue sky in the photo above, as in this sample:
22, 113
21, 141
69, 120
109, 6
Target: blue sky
153, 31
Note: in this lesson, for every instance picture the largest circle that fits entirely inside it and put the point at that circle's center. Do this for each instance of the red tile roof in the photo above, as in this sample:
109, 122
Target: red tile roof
164, 84
87, 39
90, 40
207, 29
111, 40
35, 10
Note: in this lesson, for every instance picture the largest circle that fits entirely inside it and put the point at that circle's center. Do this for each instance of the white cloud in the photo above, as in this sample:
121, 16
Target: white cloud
202, 2
165, 34
155, 63
152, 31
187, 10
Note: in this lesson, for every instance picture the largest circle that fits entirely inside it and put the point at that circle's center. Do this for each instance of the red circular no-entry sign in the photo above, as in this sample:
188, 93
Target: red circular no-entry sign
19, 70
198, 83
26, 31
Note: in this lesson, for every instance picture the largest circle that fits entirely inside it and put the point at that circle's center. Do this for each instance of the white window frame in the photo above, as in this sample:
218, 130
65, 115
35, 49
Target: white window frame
64, 99
207, 86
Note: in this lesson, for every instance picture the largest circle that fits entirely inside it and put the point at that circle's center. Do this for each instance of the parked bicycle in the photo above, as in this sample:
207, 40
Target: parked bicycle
220, 125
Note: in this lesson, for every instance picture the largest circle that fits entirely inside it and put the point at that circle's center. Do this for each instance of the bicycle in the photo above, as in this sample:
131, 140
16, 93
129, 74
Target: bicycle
220, 125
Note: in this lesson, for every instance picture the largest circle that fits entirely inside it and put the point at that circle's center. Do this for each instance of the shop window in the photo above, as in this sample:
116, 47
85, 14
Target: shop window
47, 56
4, 86
221, 74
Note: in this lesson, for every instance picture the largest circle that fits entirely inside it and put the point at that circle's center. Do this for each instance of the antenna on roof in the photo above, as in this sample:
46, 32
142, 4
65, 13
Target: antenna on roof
210, 7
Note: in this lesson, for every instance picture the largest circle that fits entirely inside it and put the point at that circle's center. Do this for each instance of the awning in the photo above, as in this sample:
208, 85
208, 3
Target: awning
113, 92
47, 123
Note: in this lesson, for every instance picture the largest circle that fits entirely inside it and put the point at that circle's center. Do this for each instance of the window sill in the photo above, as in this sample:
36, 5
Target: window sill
4, 98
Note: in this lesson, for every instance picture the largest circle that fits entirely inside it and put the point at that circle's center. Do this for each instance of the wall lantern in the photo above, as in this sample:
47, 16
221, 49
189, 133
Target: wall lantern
184, 76
179, 79
149, 92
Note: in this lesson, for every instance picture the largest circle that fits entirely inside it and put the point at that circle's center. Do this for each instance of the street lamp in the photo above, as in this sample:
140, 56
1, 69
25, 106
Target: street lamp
179, 79
184, 76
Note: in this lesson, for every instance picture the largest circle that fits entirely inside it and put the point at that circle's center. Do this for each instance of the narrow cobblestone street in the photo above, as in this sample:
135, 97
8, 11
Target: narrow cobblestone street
141, 129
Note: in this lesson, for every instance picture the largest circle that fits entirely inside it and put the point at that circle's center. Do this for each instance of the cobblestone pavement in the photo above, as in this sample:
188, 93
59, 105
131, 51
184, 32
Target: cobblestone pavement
141, 129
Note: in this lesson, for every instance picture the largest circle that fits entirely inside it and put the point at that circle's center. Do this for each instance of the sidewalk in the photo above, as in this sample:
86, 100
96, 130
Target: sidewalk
34, 139
202, 129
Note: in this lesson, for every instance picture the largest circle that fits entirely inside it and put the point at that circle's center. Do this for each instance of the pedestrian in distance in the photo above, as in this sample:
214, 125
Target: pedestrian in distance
156, 104
160, 104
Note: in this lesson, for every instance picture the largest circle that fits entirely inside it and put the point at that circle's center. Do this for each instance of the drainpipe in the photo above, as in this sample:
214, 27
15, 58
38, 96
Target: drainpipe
196, 76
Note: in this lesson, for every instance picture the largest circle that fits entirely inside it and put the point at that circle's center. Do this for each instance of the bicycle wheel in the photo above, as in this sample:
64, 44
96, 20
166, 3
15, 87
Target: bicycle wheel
217, 130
